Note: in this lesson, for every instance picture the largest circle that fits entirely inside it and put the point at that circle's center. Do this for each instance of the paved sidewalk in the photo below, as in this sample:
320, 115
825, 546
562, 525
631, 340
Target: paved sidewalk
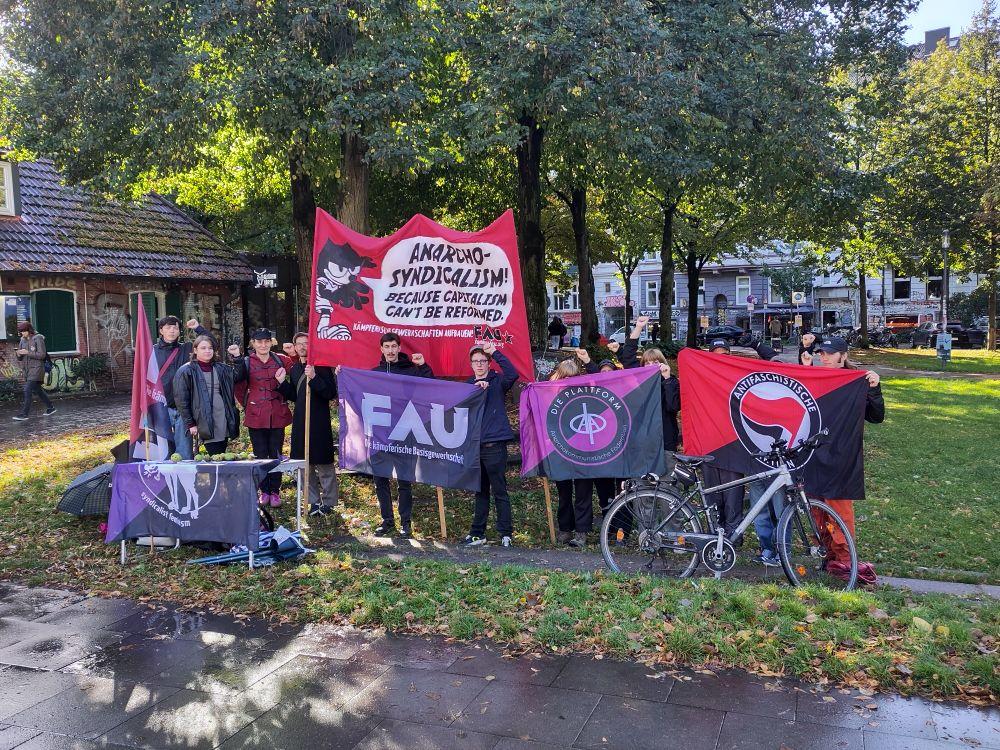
86, 673
100, 414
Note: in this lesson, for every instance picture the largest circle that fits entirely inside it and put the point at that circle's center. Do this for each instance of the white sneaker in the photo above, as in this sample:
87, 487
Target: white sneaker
506, 542
473, 541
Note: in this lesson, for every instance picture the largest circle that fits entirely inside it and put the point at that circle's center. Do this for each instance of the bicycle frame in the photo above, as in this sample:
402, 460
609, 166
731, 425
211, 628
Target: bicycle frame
782, 478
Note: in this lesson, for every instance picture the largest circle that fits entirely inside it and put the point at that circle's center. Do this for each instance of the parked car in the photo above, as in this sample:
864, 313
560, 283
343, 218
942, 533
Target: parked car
925, 335
731, 334
622, 333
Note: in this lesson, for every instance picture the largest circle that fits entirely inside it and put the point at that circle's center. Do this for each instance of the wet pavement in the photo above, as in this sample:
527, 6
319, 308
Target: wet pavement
98, 414
88, 673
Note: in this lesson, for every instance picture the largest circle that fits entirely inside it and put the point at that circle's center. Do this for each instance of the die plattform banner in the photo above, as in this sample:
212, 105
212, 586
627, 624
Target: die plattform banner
593, 426
441, 290
191, 501
732, 407
418, 429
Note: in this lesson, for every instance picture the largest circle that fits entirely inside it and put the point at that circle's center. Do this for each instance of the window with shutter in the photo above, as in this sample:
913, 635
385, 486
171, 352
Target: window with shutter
175, 305
149, 307
54, 316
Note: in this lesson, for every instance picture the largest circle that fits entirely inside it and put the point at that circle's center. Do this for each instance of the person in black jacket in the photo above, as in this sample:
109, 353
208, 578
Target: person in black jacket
557, 332
807, 348
496, 433
203, 391
832, 352
323, 489
396, 362
670, 390
171, 352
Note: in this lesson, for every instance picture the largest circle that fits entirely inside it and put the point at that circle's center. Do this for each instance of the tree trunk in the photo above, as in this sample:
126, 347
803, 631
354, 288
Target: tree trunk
693, 272
627, 282
666, 296
863, 306
352, 206
530, 240
588, 308
303, 224
991, 310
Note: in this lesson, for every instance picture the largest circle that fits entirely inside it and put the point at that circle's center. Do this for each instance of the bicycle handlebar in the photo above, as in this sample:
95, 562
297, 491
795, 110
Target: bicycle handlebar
779, 448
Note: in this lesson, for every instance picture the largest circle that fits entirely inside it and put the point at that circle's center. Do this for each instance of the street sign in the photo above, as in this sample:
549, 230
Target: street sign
944, 347
751, 300
704, 321
798, 298
798, 320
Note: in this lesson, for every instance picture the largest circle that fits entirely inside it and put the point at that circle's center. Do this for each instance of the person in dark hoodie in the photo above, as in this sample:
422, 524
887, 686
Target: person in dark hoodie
171, 352
807, 349
323, 489
396, 362
670, 390
496, 433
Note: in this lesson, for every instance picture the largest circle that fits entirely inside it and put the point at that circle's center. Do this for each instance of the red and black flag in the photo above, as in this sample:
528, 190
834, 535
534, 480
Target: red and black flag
732, 407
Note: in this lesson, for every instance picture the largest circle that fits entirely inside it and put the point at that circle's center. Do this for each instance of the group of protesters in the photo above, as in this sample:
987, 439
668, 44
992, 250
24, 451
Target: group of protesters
202, 392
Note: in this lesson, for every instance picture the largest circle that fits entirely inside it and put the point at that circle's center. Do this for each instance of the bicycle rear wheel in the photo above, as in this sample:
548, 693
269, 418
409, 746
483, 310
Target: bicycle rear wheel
632, 535
804, 539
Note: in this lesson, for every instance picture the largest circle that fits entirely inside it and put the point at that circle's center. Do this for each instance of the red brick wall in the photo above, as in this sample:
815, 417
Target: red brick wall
104, 322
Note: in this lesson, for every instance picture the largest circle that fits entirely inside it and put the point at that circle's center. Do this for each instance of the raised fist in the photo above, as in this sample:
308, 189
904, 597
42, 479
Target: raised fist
234, 350
642, 321
583, 355
614, 346
192, 324
417, 359
288, 348
488, 349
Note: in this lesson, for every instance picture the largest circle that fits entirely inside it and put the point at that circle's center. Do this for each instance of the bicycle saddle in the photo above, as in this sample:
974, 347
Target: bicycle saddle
693, 460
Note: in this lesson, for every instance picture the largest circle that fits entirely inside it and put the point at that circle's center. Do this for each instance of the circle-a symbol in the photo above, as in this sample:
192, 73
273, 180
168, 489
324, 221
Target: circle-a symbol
768, 406
588, 424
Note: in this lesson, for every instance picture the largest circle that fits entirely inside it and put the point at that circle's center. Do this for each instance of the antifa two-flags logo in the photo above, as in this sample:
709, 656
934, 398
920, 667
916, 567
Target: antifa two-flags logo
768, 406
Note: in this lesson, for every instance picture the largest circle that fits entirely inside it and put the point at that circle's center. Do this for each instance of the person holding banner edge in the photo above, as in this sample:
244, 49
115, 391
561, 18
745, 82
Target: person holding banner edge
323, 489
171, 353
496, 433
670, 390
393, 361
832, 352
266, 413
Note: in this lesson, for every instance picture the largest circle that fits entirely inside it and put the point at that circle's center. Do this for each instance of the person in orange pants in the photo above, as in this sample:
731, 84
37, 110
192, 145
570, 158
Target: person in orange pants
832, 352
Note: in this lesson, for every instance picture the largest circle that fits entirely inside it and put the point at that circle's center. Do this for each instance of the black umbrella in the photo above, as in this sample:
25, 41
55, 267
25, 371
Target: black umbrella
89, 494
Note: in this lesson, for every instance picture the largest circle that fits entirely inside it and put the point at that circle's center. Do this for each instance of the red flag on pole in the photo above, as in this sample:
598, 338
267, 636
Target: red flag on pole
149, 405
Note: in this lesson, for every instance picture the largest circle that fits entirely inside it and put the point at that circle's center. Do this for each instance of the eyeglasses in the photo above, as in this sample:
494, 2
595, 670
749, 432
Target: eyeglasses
480, 361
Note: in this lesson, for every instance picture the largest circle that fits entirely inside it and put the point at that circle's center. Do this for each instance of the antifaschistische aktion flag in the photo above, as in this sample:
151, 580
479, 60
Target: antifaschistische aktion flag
593, 426
440, 289
734, 406
149, 405
419, 429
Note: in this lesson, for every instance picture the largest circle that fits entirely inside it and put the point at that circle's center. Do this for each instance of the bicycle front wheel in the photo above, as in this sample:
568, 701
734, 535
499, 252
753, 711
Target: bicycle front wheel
815, 546
639, 534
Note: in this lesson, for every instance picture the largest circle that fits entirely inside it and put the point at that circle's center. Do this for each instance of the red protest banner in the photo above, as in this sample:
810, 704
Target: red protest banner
441, 290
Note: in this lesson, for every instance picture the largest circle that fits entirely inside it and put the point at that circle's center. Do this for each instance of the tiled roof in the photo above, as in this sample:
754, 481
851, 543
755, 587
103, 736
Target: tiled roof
70, 230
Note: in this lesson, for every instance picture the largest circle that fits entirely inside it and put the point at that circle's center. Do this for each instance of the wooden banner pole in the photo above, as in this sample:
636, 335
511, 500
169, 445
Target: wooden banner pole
305, 447
444, 526
548, 509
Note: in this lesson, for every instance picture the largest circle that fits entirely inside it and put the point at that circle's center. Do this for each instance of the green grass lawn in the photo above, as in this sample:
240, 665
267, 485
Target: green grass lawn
962, 360
933, 479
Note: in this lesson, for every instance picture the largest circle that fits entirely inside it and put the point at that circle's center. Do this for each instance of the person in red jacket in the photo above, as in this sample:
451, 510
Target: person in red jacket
266, 410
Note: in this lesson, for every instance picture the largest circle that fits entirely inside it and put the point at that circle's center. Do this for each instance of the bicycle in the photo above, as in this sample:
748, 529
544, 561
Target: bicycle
666, 527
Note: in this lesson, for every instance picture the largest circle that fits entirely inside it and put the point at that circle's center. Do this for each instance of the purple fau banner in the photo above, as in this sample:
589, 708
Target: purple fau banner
592, 426
418, 429
191, 501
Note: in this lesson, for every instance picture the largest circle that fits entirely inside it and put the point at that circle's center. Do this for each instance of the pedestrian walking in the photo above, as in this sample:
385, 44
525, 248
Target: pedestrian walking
265, 409
496, 433
203, 392
324, 491
32, 355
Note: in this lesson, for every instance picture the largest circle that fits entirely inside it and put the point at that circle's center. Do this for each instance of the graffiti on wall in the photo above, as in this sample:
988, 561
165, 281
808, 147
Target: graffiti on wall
111, 314
63, 377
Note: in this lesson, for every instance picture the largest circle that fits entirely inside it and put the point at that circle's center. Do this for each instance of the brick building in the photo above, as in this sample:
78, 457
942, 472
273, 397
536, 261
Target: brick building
75, 264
